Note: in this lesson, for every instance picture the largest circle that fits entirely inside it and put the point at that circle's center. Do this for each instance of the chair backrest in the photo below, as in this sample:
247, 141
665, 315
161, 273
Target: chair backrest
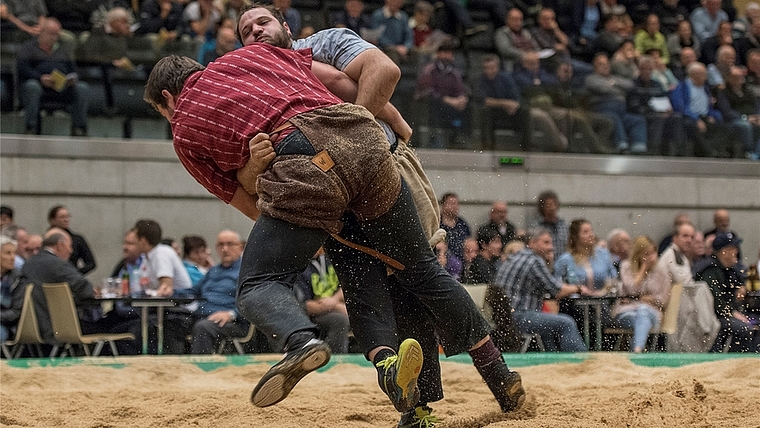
63, 312
478, 293
670, 315
28, 331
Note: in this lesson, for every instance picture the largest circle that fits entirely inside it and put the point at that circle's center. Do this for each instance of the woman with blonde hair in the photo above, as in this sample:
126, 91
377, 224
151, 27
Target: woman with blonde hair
644, 292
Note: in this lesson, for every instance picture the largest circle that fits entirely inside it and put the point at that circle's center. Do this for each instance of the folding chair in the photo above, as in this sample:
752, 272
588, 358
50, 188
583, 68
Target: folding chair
66, 328
27, 332
237, 341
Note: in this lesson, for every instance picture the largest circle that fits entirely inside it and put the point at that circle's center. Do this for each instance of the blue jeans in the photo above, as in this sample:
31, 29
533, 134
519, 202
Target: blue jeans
558, 331
642, 320
750, 135
5, 333
630, 129
32, 93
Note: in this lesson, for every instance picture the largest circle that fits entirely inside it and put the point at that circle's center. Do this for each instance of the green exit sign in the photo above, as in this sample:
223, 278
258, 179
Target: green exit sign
511, 160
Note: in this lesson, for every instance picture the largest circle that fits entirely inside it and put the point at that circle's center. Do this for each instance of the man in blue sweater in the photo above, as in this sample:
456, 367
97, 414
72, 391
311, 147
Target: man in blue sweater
217, 314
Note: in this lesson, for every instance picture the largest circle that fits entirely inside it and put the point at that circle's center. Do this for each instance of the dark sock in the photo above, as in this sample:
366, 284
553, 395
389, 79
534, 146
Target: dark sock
485, 355
381, 355
298, 339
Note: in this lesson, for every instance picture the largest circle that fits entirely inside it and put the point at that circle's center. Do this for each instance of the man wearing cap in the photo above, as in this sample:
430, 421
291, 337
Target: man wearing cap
727, 291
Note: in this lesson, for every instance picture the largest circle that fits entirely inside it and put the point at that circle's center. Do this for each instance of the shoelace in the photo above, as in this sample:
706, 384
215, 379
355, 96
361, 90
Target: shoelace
387, 362
426, 420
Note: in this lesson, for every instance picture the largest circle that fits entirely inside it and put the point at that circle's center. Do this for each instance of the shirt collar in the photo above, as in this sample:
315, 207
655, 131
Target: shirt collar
387, 13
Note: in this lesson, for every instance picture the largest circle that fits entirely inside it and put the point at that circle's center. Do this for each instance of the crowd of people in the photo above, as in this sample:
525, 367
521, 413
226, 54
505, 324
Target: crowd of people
534, 270
663, 78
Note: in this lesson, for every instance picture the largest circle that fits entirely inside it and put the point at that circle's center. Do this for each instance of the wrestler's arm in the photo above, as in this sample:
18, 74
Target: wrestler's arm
245, 203
377, 75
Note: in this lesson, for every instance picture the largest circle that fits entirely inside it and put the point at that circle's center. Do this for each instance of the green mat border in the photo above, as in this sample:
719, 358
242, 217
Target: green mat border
210, 363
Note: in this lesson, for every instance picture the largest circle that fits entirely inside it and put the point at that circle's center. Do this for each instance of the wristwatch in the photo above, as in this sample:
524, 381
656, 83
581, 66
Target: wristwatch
233, 315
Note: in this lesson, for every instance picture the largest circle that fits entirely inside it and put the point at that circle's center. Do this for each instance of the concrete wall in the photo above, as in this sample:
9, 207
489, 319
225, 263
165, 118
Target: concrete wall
108, 184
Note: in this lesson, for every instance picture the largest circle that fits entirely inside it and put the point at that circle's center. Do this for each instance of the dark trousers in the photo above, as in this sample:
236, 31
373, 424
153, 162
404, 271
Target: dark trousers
207, 334
743, 338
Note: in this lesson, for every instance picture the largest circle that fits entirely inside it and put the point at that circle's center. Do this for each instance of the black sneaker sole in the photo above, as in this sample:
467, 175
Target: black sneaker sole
277, 383
515, 393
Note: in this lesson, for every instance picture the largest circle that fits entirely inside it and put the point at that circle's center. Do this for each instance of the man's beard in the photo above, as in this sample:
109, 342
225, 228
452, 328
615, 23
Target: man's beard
281, 39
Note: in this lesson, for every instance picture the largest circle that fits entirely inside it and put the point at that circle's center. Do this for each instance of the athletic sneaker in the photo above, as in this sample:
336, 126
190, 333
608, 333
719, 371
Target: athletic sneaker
277, 383
505, 385
419, 417
398, 377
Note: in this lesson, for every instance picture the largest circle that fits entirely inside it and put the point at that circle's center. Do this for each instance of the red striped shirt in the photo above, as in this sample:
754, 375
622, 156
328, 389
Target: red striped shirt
249, 90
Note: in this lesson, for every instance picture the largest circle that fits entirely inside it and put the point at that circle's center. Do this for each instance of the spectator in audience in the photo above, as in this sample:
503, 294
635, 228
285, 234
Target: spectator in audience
619, 246
753, 71
701, 251
675, 259
688, 56
451, 263
11, 291
547, 204
497, 221
610, 36
742, 25
650, 37
19, 235
682, 39
457, 230
46, 70
548, 35
712, 45
196, 257
426, 38
649, 99
671, 15
608, 96
226, 41
706, 135
513, 40
721, 223
568, 93
216, 315
397, 38
587, 16
441, 83
73, 15
51, 266
533, 81
750, 41
131, 267
644, 293
678, 220
201, 18
293, 19
661, 73
166, 273
524, 279
6, 216
485, 264
706, 19
27, 16
471, 251
741, 108
81, 256
624, 63
725, 286
161, 17
231, 9
352, 16
511, 248
319, 291
33, 246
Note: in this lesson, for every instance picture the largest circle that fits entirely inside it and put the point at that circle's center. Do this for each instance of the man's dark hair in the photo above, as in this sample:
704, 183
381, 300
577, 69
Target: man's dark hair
545, 196
54, 212
150, 230
170, 73
6, 210
53, 239
192, 243
447, 195
277, 13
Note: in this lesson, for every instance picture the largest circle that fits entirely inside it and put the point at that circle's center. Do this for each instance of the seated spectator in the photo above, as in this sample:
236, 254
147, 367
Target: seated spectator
162, 17
440, 82
661, 73
20, 237
73, 15
6, 216
644, 293
513, 40
51, 266
547, 204
750, 41
671, 14
485, 264
512, 247
217, 316
201, 18
26, 16
587, 16
451, 263
683, 38
457, 229
352, 16
109, 44
753, 71
81, 255
225, 41
619, 246
319, 291
721, 223
610, 36
548, 35
701, 252
12, 290
293, 19
711, 45
497, 221
608, 96
707, 18
624, 63
706, 135
130, 268
46, 71
471, 251
612, 7
742, 25
675, 259
721, 277
650, 37
397, 38
524, 279
688, 56
196, 257
231, 8
426, 38
741, 108
649, 99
